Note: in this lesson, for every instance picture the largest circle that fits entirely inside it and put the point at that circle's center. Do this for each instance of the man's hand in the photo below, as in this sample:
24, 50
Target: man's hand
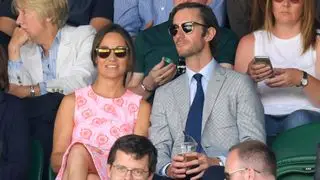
159, 75
19, 38
177, 168
199, 165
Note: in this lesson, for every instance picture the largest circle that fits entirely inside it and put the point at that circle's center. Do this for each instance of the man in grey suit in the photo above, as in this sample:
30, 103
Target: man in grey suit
230, 109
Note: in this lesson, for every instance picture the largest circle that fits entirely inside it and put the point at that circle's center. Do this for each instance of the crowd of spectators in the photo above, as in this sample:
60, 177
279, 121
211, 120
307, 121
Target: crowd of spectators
80, 76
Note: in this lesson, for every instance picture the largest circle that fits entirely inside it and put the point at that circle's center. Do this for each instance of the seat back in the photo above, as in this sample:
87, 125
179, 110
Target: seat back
36, 168
52, 175
295, 151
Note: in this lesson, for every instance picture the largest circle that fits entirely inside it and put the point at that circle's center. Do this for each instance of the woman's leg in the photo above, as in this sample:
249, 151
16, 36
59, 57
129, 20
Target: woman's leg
79, 163
93, 177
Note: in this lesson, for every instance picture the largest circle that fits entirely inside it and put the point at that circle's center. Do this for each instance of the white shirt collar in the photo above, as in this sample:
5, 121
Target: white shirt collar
206, 71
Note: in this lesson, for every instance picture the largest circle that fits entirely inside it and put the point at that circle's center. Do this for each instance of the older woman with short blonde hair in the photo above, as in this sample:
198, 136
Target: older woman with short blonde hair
47, 59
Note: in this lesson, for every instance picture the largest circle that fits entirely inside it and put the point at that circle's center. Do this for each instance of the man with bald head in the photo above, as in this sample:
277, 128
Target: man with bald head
250, 160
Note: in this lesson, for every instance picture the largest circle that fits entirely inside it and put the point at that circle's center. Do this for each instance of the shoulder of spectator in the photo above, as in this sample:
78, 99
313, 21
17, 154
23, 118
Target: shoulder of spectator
80, 32
227, 35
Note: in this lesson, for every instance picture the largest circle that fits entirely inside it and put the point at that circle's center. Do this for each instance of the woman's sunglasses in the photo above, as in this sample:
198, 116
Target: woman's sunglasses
187, 27
119, 52
292, 1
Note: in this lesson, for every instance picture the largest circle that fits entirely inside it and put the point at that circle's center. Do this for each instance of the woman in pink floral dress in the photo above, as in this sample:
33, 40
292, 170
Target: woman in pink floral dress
90, 120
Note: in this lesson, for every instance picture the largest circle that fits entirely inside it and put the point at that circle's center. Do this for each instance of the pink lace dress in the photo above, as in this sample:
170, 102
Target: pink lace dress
99, 122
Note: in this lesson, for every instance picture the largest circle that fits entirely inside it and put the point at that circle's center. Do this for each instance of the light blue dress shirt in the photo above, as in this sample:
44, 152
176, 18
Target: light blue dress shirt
48, 63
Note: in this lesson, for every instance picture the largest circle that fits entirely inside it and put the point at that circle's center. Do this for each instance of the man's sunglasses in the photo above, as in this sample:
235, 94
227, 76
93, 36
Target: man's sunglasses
119, 52
187, 27
292, 1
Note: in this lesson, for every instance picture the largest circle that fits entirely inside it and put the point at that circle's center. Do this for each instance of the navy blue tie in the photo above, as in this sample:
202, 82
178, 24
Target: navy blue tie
194, 121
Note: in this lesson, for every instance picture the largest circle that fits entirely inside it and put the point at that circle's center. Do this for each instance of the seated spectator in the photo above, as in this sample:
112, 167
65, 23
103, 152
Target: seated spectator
134, 15
90, 120
245, 16
97, 13
216, 106
14, 130
47, 59
134, 154
7, 22
289, 88
251, 160
153, 44
138, 15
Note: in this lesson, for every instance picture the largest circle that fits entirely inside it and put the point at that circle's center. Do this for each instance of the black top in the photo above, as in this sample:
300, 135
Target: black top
14, 139
81, 11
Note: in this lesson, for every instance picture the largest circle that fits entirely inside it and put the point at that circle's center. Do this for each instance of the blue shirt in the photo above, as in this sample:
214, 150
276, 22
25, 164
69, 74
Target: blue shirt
48, 63
132, 15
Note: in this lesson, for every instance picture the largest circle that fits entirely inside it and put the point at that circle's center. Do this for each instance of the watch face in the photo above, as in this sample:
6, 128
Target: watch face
304, 82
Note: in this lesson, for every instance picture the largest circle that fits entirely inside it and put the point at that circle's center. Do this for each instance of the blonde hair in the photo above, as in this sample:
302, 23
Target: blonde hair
308, 29
57, 10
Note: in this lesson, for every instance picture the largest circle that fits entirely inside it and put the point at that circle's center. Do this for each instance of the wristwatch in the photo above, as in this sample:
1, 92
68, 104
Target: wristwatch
304, 80
32, 91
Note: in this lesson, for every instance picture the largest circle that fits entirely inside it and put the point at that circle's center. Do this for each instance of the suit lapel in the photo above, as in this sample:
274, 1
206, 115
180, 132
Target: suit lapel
215, 84
181, 95
64, 52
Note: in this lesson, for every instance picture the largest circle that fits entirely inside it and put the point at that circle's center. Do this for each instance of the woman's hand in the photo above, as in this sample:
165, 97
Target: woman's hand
18, 39
259, 71
285, 78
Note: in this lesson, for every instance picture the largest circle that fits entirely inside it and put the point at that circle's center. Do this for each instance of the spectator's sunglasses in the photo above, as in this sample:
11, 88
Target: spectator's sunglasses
292, 1
120, 52
187, 27
227, 176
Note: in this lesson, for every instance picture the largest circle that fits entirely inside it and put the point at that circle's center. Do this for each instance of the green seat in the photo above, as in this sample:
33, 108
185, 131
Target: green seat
295, 151
36, 168
52, 175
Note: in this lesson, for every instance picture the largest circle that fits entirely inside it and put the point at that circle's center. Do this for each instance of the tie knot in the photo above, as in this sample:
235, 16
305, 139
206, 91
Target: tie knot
197, 77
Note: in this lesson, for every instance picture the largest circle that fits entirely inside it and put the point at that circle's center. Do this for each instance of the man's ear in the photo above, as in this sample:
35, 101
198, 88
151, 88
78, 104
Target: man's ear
210, 34
151, 176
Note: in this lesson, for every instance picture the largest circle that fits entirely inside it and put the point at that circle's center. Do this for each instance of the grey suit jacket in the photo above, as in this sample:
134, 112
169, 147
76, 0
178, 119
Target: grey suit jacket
232, 113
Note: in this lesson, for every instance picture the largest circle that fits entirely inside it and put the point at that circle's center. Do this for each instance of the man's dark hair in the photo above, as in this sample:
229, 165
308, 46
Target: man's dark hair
4, 80
138, 146
253, 152
207, 16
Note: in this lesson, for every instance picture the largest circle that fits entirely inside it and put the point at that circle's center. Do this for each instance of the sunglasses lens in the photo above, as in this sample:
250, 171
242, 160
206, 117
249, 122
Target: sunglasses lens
187, 27
120, 52
173, 30
103, 53
292, 1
